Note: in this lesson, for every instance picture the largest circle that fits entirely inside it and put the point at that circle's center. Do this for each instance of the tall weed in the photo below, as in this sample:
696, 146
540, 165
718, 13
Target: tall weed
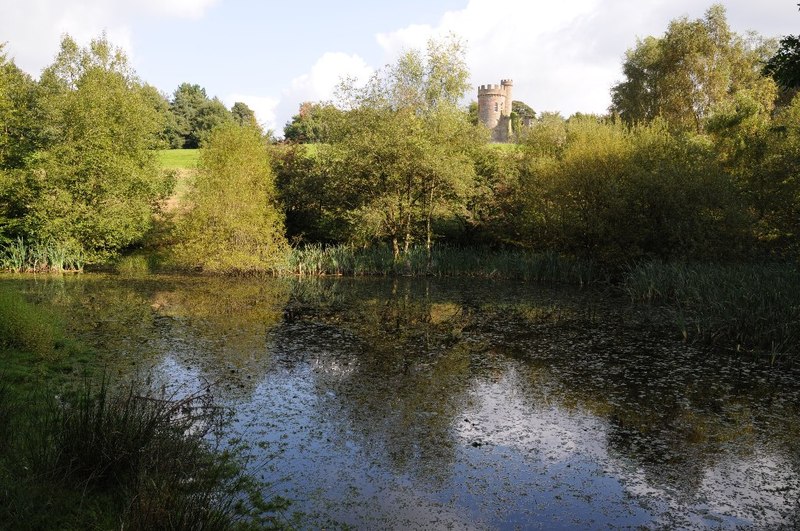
743, 306
443, 261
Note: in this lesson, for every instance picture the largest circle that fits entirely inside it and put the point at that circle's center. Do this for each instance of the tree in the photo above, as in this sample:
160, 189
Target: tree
315, 123
168, 133
18, 141
472, 113
243, 115
599, 188
784, 66
407, 148
211, 114
186, 103
234, 224
16, 102
196, 114
523, 110
682, 76
93, 183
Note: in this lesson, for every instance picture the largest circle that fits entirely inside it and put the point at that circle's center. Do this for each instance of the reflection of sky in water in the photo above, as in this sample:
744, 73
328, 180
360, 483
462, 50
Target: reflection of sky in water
383, 409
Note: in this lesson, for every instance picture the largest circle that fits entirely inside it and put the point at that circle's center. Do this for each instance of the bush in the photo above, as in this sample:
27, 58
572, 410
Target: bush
234, 224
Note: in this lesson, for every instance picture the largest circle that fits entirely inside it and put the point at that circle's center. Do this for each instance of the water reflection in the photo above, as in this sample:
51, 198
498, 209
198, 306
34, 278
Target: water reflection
409, 403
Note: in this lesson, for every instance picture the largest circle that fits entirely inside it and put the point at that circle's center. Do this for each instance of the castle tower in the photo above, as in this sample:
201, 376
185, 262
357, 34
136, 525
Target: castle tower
494, 109
507, 85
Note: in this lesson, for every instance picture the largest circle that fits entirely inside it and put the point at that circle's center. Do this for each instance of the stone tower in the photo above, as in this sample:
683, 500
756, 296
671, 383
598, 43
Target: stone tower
494, 109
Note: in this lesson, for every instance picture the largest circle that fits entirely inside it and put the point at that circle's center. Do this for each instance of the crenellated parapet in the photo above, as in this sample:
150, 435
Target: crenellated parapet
490, 89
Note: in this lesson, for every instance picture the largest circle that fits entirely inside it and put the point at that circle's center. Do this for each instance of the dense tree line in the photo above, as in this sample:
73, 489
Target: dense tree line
77, 168
698, 158
79, 178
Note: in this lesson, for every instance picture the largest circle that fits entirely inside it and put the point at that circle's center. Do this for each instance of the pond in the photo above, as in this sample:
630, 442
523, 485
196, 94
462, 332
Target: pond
417, 403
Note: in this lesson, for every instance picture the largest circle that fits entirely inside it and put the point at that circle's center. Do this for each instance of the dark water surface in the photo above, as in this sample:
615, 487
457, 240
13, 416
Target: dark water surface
462, 403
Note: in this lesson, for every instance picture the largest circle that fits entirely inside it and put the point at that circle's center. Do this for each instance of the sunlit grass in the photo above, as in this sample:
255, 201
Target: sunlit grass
178, 159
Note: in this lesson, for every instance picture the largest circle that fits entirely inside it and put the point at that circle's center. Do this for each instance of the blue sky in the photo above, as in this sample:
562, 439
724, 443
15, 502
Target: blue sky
563, 56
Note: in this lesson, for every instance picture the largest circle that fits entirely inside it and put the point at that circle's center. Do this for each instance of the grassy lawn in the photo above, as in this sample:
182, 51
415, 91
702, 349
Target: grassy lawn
178, 159
504, 146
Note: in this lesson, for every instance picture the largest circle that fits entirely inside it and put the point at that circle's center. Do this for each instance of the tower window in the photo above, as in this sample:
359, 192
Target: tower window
495, 107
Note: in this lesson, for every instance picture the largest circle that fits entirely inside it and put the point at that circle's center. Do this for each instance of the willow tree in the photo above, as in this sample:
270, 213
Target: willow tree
406, 156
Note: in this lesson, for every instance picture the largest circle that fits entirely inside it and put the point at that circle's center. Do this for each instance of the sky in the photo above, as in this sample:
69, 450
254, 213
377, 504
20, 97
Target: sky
563, 56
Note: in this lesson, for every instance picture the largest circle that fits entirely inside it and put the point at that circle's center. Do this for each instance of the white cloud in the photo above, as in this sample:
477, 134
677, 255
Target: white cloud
565, 56
33, 28
319, 84
263, 106
177, 8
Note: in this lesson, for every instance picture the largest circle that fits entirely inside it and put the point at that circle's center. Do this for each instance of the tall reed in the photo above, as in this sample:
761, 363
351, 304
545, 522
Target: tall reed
744, 306
131, 458
443, 261
50, 255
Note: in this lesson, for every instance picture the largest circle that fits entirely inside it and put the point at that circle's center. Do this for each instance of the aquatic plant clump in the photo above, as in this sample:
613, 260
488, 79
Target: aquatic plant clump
56, 256
443, 261
132, 458
742, 306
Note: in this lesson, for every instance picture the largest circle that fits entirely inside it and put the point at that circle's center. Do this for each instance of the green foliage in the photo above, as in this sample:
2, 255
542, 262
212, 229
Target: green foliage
784, 66
682, 76
195, 115
243, 115
404, 157
600, 189
210, 115
443, 261
233, 224
523, 110
313, 199
93, 181
51, 255
315, 123
744, 306
472, 113
131, 458
17, 139
168, 125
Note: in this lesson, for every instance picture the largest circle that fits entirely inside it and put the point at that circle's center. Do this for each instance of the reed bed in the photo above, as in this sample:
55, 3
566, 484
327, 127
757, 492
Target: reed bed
20, 256
444, 261
753, 307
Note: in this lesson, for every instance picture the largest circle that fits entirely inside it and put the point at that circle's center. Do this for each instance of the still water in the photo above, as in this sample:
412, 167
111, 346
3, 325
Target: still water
414, 403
